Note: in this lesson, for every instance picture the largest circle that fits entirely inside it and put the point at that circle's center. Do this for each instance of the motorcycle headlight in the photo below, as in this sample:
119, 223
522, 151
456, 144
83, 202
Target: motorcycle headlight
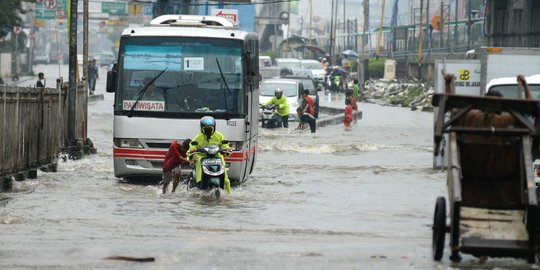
212, 150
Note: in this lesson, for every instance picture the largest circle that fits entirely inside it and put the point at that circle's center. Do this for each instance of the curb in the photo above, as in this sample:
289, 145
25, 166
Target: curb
96, 97
337, 118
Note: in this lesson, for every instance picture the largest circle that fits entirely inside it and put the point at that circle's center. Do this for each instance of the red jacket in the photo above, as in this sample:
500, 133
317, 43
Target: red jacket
309, 101
348, 114
172, 157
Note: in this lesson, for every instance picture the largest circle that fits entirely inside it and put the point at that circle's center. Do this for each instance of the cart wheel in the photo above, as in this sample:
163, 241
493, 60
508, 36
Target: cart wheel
439, 228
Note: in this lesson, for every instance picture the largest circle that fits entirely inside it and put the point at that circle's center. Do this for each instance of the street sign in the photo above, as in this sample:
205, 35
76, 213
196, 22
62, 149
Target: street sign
42, 12
117, 8
17, 29
231, 14
148, 10
60, 13
135, 9
49, 4
45, 14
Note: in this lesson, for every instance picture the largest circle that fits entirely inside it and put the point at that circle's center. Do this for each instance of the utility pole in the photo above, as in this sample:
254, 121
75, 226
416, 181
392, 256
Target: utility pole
364, 70
288, 25
310, 20
332, 34
441, 26
379, 36
336, 24
72, 89
456, 22
469, 24
420, 39
85, 66
428, 25
345, 29
393, 23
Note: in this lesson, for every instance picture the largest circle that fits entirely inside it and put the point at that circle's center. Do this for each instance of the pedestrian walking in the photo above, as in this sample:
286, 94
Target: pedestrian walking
92, 75
41, 80
356, 90
348, 114
349, 95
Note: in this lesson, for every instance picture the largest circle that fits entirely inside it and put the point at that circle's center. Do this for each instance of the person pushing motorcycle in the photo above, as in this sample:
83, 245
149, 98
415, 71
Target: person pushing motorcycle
208, 135
283, 107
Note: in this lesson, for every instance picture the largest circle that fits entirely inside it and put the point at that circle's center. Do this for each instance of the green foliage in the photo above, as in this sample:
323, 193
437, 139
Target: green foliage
413, 92
270, 53
10, 11
376, 68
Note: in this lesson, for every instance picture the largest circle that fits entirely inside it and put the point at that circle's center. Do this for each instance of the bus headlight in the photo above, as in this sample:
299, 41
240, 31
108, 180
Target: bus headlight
127, 143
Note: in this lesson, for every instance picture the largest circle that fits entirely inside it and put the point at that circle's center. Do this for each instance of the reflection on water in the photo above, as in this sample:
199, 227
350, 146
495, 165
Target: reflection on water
315, 201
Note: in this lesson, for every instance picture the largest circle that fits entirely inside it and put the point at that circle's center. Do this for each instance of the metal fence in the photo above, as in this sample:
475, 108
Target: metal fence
33, 125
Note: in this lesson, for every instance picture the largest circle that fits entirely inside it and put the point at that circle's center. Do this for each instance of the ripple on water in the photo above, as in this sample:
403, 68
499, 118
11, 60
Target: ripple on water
325, 148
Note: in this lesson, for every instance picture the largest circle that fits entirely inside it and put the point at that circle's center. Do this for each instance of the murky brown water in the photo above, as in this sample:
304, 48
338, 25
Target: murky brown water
360, 199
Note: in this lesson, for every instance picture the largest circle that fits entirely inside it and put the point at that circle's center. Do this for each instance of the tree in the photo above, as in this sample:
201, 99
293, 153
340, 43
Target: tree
10, 11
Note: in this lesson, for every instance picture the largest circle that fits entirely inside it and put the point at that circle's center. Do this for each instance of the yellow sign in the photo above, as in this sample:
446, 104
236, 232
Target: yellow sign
464, 75
39, 23
135, 9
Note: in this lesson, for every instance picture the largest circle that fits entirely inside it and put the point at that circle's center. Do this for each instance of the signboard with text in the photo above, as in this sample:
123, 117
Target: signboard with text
50, 9
231, 14
116, 8
466, 72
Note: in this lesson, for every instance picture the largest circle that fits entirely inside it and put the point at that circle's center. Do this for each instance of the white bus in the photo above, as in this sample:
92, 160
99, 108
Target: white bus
171, 73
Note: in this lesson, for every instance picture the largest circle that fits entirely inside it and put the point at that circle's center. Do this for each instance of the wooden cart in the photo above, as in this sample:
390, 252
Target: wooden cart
491, 187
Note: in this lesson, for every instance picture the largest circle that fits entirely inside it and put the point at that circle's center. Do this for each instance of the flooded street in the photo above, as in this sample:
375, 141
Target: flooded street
360, 199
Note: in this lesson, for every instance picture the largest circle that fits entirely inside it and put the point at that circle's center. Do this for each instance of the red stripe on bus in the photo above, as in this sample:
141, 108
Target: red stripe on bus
156, 154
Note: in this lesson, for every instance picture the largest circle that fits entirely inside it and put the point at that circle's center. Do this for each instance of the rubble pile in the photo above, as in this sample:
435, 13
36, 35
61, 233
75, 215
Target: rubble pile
413, 94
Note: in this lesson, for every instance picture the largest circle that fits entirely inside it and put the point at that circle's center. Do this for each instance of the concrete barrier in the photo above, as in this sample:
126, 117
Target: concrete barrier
95, 97
336, 116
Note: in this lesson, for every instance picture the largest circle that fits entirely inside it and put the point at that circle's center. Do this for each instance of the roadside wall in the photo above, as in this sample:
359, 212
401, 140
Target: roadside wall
33, 124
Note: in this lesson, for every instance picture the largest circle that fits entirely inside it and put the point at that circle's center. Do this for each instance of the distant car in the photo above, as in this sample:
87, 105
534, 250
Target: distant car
292, 89
288, 62
316, 69
508, 86
305, 76
104, 59
265, 61
269, 72
41, 57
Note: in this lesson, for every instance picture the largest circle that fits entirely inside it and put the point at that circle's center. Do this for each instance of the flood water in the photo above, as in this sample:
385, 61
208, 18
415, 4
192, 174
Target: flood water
336, 199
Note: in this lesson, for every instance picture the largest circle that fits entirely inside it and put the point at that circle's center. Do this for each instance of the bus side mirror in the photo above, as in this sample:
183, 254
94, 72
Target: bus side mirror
111, 79
254, 65
194, 143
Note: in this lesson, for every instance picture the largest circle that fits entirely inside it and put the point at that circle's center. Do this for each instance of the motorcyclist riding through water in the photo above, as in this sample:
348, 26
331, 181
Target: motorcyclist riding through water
283, 107
208, 135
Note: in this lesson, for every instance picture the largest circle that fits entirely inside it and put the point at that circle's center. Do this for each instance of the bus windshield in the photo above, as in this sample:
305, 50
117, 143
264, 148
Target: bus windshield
185, 73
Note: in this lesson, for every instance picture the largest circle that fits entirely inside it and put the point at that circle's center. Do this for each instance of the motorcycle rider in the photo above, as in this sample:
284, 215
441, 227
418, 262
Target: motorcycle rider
208, 135
336, 79
283, 107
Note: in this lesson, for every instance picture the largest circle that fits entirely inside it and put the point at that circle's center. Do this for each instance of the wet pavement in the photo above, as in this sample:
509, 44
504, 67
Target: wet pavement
337, 199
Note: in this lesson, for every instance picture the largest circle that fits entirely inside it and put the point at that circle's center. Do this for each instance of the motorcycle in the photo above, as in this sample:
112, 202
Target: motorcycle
213, 170
269, 116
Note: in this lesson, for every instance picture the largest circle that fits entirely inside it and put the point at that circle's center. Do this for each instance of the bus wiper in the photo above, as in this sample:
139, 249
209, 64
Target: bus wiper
141, 92
228, 90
